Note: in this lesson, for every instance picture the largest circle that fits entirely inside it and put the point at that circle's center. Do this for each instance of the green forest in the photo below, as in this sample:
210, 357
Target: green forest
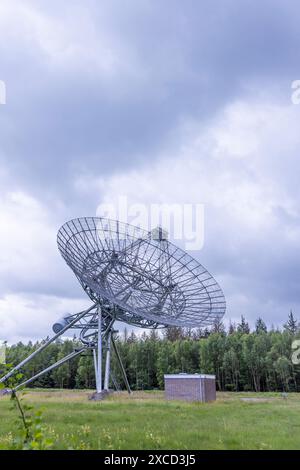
242, 360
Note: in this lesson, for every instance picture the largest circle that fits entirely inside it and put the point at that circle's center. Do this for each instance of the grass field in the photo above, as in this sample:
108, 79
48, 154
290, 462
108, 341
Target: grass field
145, 420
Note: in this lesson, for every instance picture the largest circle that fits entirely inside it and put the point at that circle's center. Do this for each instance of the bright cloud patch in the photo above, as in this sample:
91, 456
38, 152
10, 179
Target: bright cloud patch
229, 167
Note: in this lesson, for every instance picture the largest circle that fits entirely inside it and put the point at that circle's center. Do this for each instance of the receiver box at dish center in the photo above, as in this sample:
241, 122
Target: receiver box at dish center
190, 387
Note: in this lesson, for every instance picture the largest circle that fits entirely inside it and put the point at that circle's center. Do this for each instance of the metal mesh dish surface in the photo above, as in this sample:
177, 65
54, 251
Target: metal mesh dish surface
152, 281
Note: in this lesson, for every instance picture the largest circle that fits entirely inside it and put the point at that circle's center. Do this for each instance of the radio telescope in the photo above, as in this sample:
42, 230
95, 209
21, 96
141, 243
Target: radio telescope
133, 276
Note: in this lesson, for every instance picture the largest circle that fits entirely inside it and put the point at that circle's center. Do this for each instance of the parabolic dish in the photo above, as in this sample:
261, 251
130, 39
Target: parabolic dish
140, 272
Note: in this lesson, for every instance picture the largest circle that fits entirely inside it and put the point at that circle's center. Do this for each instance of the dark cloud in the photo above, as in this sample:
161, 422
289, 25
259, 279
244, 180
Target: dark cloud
172, 60
96, 89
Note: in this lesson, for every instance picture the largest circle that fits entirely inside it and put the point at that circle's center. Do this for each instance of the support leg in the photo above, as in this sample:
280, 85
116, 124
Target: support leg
107, 363
44, 346
99, 352
53, 366
120, 364
95, 366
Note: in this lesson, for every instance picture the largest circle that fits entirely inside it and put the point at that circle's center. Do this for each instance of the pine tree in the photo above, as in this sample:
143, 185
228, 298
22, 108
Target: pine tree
260, 326
232, 328
243, 327
291, 325
218, 327
153, 335
173, 333
132, 338
206, 333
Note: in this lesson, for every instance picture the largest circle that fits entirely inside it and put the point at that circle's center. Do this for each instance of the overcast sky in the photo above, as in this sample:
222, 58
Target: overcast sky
159, 101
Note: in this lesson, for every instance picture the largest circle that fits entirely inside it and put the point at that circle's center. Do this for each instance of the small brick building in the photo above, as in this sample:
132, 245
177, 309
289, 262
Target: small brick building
190, 387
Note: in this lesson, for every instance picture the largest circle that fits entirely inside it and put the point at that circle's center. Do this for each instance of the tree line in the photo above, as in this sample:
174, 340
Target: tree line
242, 360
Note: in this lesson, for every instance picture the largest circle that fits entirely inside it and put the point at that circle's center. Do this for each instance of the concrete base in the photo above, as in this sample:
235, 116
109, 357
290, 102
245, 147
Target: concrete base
100, 396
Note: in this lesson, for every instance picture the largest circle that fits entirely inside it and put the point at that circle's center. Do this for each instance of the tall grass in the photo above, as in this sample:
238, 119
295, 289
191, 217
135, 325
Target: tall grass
146, 421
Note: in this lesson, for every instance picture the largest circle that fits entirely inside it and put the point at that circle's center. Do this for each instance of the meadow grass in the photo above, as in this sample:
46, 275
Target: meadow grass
144, 420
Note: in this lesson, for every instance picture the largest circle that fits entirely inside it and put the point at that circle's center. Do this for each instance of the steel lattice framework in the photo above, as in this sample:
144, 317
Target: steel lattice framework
131, 275
151, 281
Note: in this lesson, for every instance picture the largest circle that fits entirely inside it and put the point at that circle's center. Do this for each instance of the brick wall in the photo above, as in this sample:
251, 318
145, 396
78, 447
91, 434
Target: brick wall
190, 388
210, 389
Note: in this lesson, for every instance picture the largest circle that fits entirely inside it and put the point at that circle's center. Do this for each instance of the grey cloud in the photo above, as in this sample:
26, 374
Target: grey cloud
187, 59
71, 113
